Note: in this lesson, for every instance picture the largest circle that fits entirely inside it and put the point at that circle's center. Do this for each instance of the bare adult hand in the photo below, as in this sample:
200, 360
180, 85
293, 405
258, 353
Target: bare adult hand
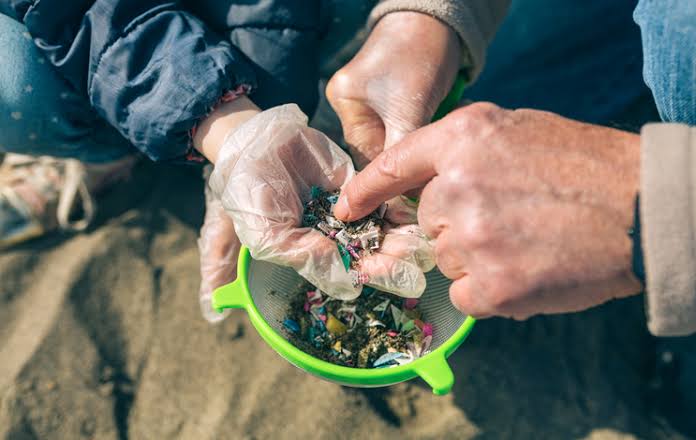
395, 83
530, 211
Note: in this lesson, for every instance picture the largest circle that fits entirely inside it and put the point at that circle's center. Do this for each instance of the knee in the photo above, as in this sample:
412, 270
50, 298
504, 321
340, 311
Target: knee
22, 64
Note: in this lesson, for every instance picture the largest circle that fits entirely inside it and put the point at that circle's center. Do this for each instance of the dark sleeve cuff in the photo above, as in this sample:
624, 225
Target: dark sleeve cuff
638, 263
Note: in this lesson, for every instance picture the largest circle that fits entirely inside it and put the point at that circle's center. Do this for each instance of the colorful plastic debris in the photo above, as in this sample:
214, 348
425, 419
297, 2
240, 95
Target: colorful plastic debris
356, 238
369, 239
408, 326
343, 237
396, 315
410, 303
345, 256
334, 223
334, 326
291, 325
387, 359
376, 330
382, 306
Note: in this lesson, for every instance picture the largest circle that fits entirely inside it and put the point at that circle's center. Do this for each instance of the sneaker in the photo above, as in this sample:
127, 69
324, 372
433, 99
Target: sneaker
41, 194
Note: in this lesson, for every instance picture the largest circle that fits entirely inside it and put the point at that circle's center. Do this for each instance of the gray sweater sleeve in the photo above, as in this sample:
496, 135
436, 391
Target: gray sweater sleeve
475, 21
668, 226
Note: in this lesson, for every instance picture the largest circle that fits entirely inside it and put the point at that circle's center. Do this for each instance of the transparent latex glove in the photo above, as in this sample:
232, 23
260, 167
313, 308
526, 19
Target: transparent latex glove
264, 175
395, 82
218, 246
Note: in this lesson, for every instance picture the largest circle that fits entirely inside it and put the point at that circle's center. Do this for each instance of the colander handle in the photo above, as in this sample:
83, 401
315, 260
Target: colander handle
230, 296
436, 372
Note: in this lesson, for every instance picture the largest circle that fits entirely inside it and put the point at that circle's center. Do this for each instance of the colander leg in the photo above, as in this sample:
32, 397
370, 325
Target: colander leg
435, 370
231, 296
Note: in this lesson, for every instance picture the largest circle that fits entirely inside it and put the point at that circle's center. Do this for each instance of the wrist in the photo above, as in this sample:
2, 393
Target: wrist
212, 130
428, 48
420, 31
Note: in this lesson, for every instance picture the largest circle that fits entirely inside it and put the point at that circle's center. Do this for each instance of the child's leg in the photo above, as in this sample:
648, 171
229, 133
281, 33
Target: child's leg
40, 114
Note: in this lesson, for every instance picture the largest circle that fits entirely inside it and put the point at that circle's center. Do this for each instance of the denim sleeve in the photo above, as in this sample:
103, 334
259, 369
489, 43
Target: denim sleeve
668, 29
149, 68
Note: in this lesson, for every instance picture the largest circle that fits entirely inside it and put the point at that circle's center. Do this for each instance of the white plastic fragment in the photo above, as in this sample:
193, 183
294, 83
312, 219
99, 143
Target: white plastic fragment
381, 306
343, 237
370, 239
396, 314
334, 223
324, 227
426, 345
347, 309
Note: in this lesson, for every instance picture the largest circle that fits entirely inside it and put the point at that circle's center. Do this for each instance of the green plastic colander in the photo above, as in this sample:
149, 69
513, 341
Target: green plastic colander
252, 289
256, 280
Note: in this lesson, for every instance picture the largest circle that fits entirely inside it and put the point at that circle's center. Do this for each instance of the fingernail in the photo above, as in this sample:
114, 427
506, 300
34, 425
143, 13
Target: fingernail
342, 210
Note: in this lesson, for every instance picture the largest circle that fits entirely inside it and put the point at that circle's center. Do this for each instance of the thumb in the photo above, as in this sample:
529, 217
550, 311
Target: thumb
219, 248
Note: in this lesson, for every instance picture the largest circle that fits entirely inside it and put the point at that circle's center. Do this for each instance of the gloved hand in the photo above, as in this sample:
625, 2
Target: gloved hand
395, 82
263, 176
218, 246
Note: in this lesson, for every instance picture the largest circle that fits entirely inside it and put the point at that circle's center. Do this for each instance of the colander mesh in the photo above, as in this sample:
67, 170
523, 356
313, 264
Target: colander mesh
271, 287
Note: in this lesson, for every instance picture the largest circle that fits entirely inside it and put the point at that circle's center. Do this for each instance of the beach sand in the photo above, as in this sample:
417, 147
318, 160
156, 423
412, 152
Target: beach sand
101, 337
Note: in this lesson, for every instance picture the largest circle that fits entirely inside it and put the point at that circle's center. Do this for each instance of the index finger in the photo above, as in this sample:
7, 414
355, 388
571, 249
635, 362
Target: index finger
407, 165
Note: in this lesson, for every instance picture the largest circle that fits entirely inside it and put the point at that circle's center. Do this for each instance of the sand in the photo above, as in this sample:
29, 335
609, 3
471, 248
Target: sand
101, 337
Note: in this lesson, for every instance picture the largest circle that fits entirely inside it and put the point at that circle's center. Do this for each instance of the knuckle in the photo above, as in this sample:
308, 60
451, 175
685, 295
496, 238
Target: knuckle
478, 230
459, 180
481, 111
505, 292
477, 119
339, 85
499, 298
389, 165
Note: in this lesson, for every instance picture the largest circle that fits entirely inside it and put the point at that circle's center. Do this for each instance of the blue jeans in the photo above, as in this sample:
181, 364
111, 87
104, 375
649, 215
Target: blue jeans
40, 114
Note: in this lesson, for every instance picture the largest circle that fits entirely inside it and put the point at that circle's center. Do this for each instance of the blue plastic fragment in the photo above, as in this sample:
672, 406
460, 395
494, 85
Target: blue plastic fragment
291, 325
387, 359
332, 199
367, 290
